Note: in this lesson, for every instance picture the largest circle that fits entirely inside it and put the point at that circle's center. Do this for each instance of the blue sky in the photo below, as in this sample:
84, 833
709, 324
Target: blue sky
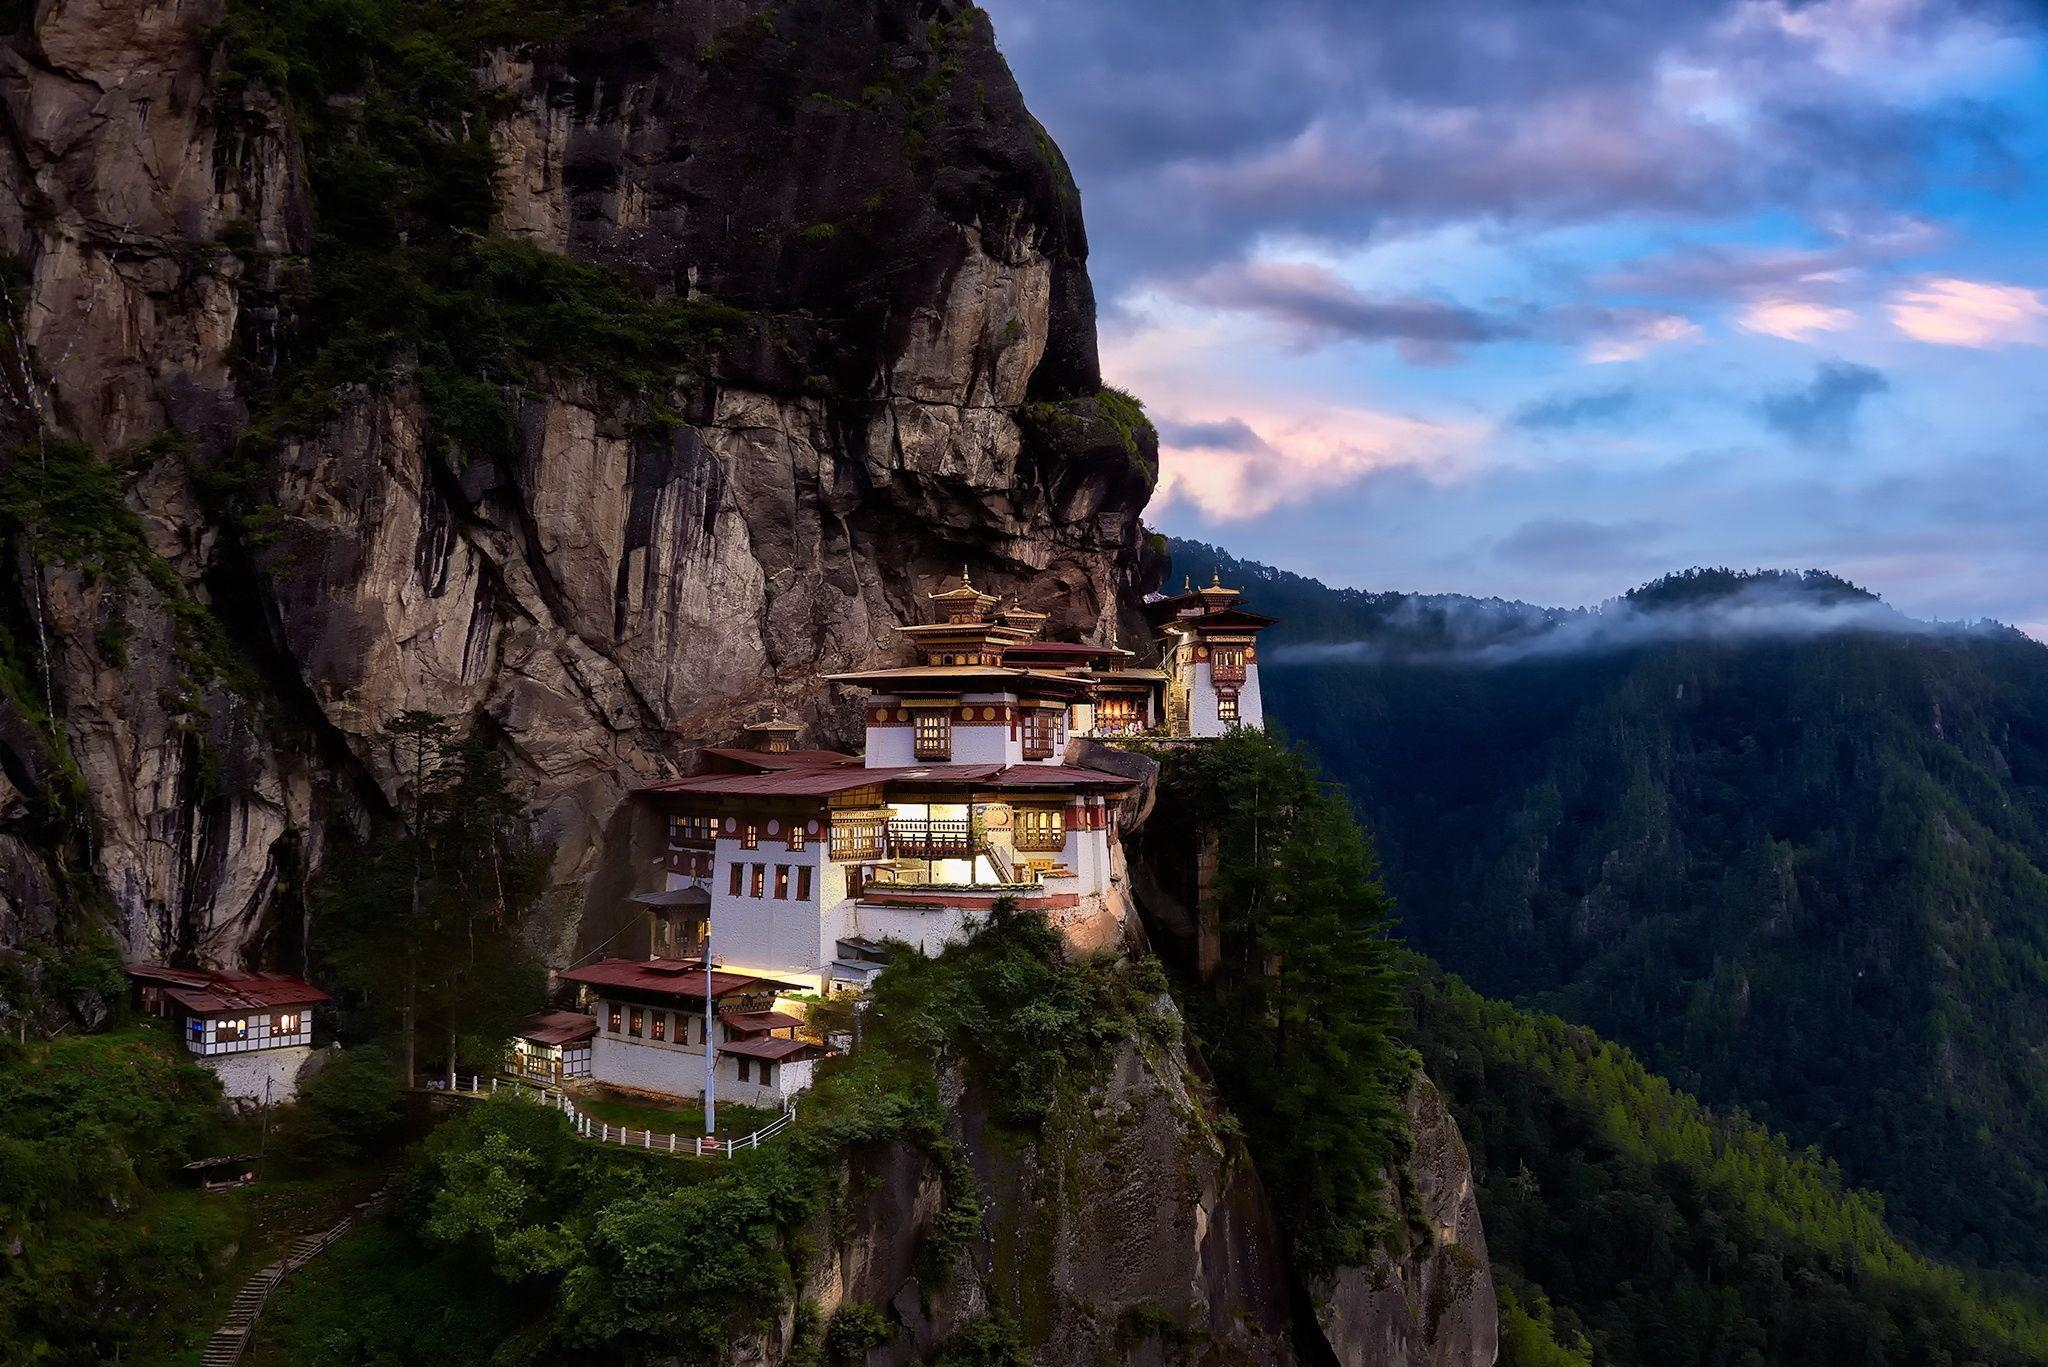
1543, 299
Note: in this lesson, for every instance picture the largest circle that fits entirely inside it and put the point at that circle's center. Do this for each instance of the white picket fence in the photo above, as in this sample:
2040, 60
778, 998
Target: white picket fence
601, 1132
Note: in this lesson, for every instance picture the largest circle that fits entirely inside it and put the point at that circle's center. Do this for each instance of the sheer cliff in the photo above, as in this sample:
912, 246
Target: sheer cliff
587, 373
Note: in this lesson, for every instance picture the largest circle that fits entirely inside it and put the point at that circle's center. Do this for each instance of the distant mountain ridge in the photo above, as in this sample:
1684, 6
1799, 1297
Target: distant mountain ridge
1786, 842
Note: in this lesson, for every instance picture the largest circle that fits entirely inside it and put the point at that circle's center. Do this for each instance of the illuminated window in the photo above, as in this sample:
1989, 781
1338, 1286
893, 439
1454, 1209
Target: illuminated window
782, 882
633, 1023
1041, 830
1226, 708
750, 837
285, 1023
737, 874
660, 1026
760, 880
796, 835
614, 1025
934, 735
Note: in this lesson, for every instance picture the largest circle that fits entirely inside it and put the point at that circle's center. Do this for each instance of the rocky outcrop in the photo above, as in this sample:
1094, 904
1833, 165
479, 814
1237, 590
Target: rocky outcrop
1130, 1230
1429, 1302
912, 393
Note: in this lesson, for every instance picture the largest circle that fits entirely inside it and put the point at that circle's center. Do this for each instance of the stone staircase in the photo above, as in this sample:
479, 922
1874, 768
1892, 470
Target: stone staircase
231, 1340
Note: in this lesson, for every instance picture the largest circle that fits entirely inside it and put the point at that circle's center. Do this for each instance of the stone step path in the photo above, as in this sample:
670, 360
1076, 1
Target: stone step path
231, 1340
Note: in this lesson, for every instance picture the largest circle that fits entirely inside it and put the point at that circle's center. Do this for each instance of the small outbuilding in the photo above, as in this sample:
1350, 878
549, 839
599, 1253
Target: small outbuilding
254, 1031
554, 1046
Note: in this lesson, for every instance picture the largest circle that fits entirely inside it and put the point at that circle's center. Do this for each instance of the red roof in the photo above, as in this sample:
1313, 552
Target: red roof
1060, 650
208, 992
558, 1027
783, 783
762, 761
824, 782
672, 978
769, 1048
1225, 619
757, 1022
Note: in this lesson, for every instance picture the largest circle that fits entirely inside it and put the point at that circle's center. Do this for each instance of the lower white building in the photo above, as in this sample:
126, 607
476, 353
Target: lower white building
649, 1025
553, 1046
254, 1031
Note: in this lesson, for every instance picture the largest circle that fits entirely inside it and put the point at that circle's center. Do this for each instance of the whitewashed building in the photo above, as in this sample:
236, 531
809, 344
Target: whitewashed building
254, 1031
1211, 651
553, 1046
648, 1025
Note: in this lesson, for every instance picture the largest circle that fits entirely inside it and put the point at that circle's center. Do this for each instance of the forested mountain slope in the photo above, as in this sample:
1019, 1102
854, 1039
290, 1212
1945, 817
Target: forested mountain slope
1786, 843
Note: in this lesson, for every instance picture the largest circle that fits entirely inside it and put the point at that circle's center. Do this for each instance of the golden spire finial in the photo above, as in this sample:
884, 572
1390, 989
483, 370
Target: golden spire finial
1216, 579
1187, 583
966, 579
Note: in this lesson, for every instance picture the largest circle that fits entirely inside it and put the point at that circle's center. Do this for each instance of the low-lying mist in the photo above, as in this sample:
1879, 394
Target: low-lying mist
1445, 630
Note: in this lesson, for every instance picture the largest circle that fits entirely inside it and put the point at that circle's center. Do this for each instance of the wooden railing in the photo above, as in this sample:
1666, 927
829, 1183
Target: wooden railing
912, 837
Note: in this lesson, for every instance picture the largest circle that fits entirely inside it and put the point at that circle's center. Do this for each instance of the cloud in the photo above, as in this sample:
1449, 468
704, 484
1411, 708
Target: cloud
1574, 542
1231, 469
1795, 320
1336, 121
1560, 412
1314, 304
1637, 336
1450, 631
1971, 313
1823, 412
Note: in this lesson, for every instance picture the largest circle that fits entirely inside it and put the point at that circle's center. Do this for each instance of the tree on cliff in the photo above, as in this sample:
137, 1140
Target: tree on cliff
423, 923
1298, 1018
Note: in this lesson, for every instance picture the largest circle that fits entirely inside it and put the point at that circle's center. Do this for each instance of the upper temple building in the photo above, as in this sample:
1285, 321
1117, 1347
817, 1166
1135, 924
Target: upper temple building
787, 869
796, 863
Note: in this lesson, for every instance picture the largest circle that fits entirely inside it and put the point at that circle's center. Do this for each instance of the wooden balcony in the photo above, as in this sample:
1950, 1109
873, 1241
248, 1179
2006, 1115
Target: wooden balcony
931, 838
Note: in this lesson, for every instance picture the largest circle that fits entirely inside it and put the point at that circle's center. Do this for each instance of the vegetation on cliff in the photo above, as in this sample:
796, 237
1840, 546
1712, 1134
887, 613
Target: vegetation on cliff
1805, 875
595, 1249
1641, 1228
1297, 1016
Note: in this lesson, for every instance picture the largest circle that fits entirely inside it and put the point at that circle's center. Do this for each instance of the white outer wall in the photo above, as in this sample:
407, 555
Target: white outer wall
929, 930
678, 1071
1202, 719
242, 1075
976, 742
782, 939
258, 1036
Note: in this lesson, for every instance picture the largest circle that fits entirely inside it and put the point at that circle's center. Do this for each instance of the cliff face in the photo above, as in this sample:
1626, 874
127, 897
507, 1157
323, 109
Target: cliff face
1129, 1230
1135, 1230
910, 387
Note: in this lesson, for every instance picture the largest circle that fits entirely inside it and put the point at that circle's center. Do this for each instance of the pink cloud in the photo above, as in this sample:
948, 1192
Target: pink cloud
1795, 320
1970, 313
1639, 338
1238, 466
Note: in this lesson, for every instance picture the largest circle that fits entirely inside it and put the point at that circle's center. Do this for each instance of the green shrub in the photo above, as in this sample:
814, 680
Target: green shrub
854, 1328
346, 1111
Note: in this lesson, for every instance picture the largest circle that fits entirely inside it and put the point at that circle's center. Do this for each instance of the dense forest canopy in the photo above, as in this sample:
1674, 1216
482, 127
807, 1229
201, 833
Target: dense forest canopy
1804, 873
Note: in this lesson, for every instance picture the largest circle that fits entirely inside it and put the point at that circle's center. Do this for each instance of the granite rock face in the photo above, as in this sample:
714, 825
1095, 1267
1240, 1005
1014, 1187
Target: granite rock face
1430, 1302
616, 592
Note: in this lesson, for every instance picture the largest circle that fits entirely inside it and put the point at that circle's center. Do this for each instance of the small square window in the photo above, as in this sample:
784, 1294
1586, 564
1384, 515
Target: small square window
616, 1016
750, 836
796, 835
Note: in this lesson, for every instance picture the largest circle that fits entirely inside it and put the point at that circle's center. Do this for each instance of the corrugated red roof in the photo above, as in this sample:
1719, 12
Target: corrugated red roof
1060, 650
763, 761
209, 992
825, 782
558, 1027
772, 1049
672, 978
757, 1022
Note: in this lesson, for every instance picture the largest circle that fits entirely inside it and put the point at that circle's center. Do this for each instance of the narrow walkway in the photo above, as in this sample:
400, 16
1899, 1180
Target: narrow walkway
231, 1340
601, 1132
